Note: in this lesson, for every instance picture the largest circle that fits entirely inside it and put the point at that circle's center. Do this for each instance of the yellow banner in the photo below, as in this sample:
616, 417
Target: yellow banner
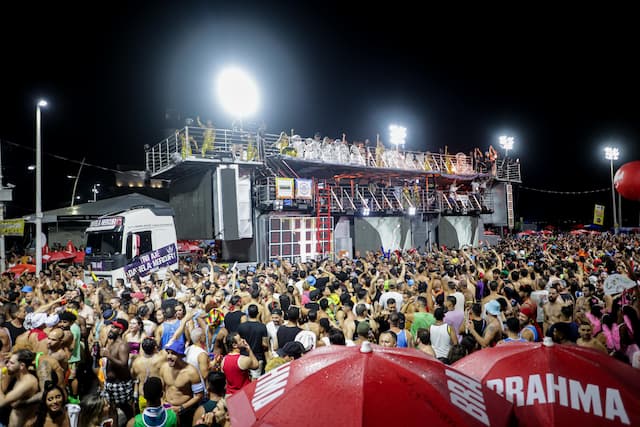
12, 227
284, 188
598, 215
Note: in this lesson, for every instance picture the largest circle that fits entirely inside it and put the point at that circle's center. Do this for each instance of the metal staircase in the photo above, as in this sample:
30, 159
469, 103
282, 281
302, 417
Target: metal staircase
324, 231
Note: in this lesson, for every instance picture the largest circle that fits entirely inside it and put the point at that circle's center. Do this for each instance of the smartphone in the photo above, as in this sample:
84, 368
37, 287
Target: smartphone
107, 423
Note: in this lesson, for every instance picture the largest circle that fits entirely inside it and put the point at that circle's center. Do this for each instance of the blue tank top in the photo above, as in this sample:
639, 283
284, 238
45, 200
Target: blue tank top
168, 329
402, 339
514, 340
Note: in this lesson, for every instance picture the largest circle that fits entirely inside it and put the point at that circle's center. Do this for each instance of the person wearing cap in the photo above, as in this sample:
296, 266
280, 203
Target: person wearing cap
363, 333
118, 386
493, 331
28, 295
235, 365
182, 384
525, 295
529, 329
154, 414
290, 351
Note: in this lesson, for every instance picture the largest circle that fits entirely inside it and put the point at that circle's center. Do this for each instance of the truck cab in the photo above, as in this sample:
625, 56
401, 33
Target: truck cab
135, 242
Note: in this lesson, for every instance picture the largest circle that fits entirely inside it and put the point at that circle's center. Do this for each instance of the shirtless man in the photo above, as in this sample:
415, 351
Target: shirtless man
118, 387
47, 369
586, 338
145, 367
57, 350
26, 385
183, 387
553, 308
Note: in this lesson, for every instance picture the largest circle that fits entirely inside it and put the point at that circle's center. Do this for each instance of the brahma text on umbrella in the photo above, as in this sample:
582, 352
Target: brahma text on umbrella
270, 386
539, 389
466, 394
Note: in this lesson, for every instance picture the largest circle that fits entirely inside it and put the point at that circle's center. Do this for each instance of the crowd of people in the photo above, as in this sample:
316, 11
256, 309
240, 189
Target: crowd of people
167, 351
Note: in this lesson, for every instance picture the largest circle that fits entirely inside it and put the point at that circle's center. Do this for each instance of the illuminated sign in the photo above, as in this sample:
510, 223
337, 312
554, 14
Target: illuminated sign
107, 223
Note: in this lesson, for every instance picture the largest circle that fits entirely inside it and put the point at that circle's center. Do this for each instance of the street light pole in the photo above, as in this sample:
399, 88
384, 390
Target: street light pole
619, 210
612, 154
75, 183
38, 249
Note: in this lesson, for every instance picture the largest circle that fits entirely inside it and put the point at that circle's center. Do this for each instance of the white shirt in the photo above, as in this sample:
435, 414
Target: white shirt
459, 300
440, 339
272, 332
391, 294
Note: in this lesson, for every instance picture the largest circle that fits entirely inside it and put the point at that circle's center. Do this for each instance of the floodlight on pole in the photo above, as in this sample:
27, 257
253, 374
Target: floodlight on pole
398, 134
611, 154
506, 142
237, 92
95, 191
38, 249
76, 178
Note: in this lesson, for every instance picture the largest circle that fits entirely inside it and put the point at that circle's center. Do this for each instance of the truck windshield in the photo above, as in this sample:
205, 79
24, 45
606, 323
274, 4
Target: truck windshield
104, 243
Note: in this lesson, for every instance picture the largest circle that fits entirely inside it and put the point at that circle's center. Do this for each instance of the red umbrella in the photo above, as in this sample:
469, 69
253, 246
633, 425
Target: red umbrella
368, 386
559, 384
188, 246
79, 257
19, 268
56, 256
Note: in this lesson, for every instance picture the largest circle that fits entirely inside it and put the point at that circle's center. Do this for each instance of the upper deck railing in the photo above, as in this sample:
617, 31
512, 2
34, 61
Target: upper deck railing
239, 146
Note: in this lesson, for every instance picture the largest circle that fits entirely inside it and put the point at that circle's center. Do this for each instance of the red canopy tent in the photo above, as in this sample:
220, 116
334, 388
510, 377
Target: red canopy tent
366, 386
554, 385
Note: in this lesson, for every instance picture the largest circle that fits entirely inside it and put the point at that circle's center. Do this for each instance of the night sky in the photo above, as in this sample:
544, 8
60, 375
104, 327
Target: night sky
565, 84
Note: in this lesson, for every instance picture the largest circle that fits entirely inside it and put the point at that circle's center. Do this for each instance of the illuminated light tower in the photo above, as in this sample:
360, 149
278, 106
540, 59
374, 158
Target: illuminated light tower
237, 92
506, 142
398, 134
611, 154
95, 191
38, 250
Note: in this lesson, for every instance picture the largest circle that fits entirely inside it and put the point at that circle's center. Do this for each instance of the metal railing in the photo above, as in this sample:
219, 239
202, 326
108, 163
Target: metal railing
236, 146
375, 199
